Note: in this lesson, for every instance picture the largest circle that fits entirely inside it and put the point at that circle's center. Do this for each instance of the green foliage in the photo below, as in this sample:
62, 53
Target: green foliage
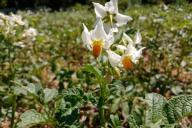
32, 118
50, 94
132, 122
178, 107
156, 103
95, 71
162, 112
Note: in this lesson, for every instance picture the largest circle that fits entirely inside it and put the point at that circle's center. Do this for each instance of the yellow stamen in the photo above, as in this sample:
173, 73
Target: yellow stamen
97, 47
127, 63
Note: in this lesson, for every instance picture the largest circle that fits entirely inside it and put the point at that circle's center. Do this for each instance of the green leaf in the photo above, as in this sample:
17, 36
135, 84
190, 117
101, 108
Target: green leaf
177, 108
31, 118
95, 71
100, 78
7, 100
19, 90
115, 105
33, 89
50, 94
115, 121
156, 103
132, 122
125, 109
59, 104
177, 90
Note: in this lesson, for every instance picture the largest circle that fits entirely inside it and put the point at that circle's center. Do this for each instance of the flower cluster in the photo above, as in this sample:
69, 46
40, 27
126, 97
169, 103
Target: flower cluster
17, 30
102, 37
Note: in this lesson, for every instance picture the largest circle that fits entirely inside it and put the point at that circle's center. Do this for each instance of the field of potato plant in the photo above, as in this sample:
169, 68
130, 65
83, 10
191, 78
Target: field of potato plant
102, 66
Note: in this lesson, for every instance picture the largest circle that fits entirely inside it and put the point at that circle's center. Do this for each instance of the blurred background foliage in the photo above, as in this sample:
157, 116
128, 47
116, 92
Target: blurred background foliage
67, 3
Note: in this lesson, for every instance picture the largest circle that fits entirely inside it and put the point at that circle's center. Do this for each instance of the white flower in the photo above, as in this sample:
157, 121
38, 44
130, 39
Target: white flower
130, 54
97, 39
137, 38
31, 32
16, 19
142, 18
3, 16
1, 23
19, 44
110, 15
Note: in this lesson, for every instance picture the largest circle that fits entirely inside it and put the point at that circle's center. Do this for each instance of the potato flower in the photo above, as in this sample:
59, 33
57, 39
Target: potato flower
111, 17
130, 54
137, 39
16, 20
31, 32
96, 40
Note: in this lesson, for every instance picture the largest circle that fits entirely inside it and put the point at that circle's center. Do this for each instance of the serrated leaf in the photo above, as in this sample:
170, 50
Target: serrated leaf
60, 104
50, 94
132, 122
177, 108
31, 118
156, 103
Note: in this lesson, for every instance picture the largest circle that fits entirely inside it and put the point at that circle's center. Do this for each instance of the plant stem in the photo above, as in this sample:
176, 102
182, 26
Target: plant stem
13, 111
101, 104
101, 99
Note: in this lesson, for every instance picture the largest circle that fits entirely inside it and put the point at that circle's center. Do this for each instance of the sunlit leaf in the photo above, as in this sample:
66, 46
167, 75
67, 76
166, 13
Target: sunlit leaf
31, 118
50, 94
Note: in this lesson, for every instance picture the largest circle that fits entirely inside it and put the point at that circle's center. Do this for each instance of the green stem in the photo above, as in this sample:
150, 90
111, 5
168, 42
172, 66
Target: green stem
101, 105
101, 99
13, 111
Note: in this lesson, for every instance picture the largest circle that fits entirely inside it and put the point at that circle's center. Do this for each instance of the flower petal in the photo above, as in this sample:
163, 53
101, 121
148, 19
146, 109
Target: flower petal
115, 4
86, 37
109, 28
138, 38
109, 40
122, 48
99, 32
112, 6
114, 28
131, 50
114, 58
128, 39
135, 54
122, 19
100, 10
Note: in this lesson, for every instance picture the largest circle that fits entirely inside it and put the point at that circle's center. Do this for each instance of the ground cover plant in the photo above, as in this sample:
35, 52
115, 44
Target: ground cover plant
133, 71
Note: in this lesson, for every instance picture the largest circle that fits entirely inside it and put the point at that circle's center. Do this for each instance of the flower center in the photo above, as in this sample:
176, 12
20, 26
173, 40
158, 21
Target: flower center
109, 18
97, 47
127, 63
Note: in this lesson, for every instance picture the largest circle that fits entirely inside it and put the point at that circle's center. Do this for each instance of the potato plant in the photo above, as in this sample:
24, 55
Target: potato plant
102, 67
